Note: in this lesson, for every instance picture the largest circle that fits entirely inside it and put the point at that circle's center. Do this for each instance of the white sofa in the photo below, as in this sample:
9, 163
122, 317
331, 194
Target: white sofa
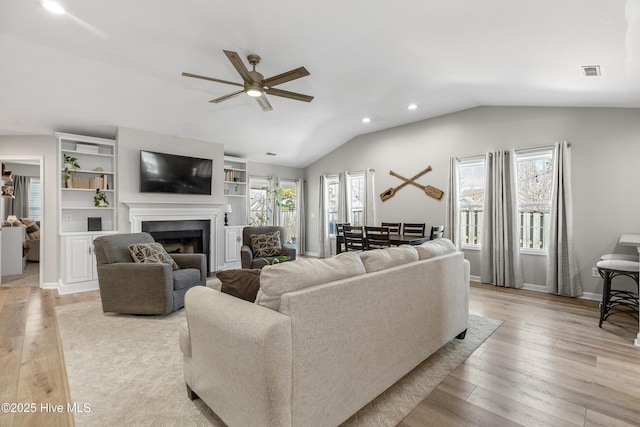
325, 337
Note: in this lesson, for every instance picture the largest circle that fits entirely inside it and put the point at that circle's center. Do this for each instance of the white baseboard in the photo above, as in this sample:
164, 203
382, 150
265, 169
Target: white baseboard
49, 285
314, 254
542, 288
72, 288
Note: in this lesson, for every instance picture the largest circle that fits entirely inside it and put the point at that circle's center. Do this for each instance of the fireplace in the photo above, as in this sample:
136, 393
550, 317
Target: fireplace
185, 236
180, 227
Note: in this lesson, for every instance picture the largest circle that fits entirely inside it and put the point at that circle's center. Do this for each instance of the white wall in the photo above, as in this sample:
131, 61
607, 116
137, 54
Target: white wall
47, 147
282, 172
606, 154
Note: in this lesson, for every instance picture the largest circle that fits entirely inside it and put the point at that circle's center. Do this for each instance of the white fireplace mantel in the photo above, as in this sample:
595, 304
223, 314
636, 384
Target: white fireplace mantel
140, 212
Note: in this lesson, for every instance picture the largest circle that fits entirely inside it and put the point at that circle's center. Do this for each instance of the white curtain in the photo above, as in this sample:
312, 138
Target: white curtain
371, 218
300, 208
563, 277
324, 251
500, 248
452, 215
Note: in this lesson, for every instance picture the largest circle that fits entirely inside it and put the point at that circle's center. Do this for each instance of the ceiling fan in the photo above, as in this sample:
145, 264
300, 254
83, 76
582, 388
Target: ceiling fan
255, 85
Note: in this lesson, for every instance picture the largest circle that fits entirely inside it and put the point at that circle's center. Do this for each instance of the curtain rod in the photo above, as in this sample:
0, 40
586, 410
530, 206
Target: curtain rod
522, 150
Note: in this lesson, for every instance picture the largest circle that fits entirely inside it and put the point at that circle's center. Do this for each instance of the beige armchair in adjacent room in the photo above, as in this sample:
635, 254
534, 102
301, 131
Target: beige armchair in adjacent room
144, 287
260, 251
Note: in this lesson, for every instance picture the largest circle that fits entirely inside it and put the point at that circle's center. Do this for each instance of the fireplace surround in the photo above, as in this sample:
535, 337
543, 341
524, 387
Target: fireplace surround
187, 226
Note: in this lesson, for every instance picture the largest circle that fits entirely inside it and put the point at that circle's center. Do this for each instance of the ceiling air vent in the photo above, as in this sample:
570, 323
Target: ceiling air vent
591, 70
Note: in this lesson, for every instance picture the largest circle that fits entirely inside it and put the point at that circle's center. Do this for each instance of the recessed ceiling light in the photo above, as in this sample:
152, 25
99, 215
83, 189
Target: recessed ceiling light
412, 106
53, 7
366, 120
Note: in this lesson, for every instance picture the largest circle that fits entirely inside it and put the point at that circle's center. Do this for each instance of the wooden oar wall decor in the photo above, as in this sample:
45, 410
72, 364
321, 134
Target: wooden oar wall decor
428, 189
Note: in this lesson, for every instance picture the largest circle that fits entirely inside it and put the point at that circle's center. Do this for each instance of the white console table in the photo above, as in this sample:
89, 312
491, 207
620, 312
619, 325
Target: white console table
12, 259
632, 240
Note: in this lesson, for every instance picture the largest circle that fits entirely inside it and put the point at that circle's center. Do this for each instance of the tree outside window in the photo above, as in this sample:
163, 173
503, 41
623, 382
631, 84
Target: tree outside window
471, 189
535, 176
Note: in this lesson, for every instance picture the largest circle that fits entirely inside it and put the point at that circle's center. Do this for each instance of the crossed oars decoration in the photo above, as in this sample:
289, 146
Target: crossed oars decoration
428, 189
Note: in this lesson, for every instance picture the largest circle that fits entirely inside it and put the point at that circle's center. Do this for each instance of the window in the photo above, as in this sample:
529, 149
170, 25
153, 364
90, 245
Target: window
288, 210
471, 190
333, 195
356, 197
260, 209
534, 179
34, 199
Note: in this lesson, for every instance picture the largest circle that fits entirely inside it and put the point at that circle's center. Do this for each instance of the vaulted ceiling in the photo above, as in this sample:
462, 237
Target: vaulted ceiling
118, 63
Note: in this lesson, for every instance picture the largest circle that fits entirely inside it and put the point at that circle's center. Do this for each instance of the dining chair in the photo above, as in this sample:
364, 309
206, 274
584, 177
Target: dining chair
340, 244
394, 227
437, 231
354, 237
413, 228
377, 237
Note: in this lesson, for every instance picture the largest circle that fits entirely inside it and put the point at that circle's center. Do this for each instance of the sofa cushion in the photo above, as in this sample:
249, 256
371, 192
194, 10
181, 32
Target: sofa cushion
267, 244
151, 253
185, 278
279, 279
381, 259
437, 247
242, 283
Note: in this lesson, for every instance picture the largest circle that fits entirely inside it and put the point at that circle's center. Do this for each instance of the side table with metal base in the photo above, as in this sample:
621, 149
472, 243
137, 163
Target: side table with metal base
614, 300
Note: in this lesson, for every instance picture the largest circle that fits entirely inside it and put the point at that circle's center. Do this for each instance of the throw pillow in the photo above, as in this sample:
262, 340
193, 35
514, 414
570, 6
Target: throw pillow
242, 283
437, 247
267, 244
276, 280
33, 229
151, 253
381, 259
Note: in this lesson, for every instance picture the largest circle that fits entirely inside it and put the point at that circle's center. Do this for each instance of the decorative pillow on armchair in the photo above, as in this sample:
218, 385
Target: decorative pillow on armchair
267, 244
151, 253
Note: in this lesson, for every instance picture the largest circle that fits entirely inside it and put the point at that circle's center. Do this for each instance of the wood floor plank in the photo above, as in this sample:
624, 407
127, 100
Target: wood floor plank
524, 393
516, 411
595, 419
464, 412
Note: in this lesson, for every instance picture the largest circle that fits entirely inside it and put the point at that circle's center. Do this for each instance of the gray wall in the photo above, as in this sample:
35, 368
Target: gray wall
605, 153
47, 148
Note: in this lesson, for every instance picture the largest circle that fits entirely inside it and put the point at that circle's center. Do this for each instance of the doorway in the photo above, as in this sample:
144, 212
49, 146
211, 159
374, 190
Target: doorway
22, 214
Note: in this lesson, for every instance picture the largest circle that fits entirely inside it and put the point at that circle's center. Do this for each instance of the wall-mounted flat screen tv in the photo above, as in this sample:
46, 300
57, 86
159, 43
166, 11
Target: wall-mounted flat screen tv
170, 173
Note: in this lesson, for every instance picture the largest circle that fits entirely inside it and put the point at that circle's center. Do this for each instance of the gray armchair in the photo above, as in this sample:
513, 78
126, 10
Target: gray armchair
137, 288
247, 254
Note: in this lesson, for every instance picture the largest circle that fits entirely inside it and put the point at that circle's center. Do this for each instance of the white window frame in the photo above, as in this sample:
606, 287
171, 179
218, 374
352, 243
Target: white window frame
470, 162
351, 177
532, 154
332, 180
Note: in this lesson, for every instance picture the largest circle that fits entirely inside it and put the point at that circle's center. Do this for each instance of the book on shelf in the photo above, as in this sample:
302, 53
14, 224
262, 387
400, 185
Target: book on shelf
85, 148
93, 183
228, 175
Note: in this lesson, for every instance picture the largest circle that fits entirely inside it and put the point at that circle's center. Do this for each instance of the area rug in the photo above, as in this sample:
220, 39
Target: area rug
127, 370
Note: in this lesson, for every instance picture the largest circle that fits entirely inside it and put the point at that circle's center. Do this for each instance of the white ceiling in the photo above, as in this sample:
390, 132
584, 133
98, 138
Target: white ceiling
119, 63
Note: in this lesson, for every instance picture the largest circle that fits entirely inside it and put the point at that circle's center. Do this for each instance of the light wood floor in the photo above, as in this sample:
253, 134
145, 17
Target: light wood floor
547, 365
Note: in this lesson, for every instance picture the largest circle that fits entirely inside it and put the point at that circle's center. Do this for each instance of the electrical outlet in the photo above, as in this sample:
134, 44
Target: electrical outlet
594, 272
66, 217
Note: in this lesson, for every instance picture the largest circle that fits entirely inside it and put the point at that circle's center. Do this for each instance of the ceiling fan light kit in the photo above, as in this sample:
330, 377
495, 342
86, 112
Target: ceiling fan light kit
255, 85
